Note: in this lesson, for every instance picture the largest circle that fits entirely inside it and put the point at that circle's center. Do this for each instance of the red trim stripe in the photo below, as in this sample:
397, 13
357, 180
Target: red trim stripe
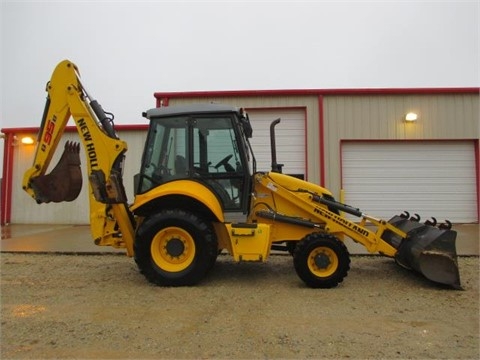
165, 96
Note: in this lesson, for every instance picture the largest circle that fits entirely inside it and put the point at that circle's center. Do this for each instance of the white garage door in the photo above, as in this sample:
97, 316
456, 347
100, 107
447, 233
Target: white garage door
429, 178
290, 139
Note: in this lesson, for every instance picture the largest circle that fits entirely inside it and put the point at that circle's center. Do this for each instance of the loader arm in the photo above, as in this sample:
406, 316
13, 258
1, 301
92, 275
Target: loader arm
296, 209
110, 219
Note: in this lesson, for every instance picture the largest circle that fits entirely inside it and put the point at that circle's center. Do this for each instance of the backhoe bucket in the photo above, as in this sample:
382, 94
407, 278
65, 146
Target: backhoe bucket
64, 182
427, 249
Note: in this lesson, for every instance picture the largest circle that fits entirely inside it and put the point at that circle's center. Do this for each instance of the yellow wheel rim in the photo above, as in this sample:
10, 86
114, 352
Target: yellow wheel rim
173, 249
323, 261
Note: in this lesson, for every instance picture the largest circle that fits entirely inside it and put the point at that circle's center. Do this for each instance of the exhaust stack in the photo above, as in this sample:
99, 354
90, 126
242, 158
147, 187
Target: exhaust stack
276, 167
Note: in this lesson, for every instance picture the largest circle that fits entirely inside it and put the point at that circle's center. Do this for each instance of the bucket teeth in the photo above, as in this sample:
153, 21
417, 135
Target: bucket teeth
432, 222
405, 215
415, 217
445, 226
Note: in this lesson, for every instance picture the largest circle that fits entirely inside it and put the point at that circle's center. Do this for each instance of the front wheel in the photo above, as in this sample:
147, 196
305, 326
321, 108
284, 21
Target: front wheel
321, 260
175, 248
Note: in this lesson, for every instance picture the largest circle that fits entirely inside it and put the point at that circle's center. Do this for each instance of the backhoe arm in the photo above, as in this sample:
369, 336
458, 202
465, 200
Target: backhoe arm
110, 219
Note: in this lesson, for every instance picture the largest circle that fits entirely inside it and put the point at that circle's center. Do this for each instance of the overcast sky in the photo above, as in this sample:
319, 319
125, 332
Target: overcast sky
127, 50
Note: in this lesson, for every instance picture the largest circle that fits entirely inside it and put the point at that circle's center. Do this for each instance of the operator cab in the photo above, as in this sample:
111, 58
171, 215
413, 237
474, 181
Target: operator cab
207, 143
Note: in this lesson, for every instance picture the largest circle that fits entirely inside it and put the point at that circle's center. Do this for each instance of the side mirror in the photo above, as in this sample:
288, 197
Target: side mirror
245, 121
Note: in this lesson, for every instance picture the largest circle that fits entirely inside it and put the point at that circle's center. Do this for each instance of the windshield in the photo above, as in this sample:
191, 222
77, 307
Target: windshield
204, 148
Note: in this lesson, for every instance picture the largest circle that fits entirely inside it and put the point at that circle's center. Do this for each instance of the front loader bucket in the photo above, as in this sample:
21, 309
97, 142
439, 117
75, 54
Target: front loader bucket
64, 182
427, 249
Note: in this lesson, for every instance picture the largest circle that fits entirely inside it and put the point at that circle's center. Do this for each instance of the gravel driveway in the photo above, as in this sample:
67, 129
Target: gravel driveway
99, 306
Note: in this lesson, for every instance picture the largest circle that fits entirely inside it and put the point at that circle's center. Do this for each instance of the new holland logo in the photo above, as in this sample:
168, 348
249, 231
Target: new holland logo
341, 221
89, 145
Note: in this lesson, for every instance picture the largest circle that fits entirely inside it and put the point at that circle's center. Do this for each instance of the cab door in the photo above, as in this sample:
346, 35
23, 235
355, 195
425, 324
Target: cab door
217, 160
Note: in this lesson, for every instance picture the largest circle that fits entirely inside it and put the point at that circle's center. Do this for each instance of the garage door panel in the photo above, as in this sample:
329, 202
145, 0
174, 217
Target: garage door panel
289, 136
410, 186
432, 178
406, 167
387, 207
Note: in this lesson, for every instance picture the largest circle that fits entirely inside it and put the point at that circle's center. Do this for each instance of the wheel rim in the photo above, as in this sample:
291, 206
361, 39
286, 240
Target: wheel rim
173, 249
323, 261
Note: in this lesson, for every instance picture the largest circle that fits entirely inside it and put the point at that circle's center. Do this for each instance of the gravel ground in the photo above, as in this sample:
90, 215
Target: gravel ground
99, 306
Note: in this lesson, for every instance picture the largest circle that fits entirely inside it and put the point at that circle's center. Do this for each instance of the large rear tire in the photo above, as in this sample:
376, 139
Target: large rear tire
175, 248
321, 260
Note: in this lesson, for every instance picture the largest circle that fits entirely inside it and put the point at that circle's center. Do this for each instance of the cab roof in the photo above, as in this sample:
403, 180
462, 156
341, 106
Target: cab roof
188, 109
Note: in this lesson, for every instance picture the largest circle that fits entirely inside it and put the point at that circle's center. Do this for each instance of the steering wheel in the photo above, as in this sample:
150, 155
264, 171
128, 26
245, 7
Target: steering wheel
224, 161
154, 181
159, 170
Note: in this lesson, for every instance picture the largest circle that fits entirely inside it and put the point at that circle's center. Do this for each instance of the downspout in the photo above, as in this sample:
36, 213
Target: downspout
321, 140
477, 174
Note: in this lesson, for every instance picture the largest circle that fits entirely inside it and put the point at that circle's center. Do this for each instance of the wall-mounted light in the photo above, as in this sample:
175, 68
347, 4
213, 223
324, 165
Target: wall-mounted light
27, 140
24, 140
411, 117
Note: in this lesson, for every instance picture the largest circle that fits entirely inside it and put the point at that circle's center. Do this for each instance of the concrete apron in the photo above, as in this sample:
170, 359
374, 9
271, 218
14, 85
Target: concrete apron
77, 239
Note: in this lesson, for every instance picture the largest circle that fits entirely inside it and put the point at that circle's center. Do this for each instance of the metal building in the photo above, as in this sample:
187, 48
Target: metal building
357, 143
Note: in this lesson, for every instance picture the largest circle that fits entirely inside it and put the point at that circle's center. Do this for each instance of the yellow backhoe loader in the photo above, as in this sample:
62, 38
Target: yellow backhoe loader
198, 192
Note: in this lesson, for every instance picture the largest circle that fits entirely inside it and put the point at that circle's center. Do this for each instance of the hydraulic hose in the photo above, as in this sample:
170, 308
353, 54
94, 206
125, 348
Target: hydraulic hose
337, 205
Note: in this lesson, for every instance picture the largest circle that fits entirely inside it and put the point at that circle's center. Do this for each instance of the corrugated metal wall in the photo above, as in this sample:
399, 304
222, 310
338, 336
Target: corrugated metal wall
441, 116
381, 117
26, 210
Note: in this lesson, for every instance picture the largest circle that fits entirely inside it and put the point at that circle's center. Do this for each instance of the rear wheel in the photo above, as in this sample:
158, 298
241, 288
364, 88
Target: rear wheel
175, 248
321, 260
